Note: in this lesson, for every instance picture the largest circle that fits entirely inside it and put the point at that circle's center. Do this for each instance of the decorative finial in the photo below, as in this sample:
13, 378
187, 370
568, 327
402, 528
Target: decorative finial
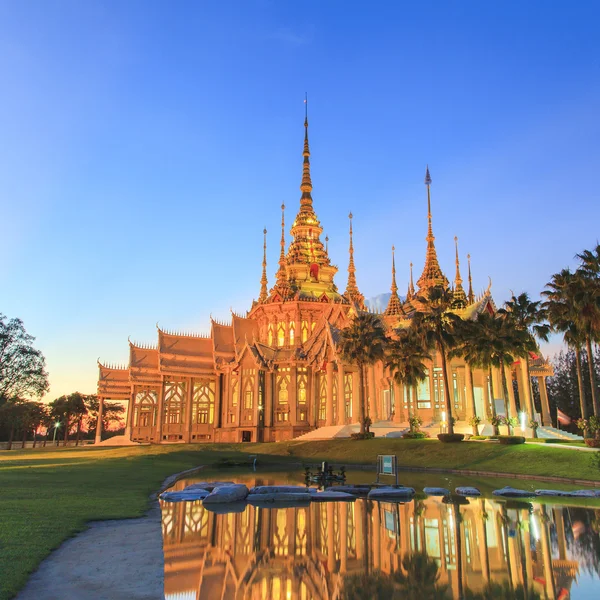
263, 280
281, 276
410, 294
394, 306
460, 298
470, 295
305, 109
327, 243
352, 291
427, 177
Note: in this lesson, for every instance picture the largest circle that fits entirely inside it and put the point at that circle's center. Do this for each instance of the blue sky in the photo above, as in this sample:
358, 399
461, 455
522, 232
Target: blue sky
145, 145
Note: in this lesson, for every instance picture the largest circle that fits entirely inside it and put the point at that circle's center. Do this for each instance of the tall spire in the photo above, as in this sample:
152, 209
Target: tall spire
410, 293
264, 294
460, 298
352, 292
471, 295
281, 279
394, 306
432, 273
306, 185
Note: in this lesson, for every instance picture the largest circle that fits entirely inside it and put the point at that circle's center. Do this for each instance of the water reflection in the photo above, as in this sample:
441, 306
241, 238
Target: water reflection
308, 552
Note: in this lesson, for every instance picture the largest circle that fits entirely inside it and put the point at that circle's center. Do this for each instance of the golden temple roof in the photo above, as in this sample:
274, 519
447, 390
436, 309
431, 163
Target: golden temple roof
394, 306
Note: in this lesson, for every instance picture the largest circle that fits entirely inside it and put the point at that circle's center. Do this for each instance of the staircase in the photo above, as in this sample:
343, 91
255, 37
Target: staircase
557, 434
387, 429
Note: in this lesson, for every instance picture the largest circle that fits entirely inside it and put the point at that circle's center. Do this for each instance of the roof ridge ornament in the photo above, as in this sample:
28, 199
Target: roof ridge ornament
394, 306
460, 298
264, 294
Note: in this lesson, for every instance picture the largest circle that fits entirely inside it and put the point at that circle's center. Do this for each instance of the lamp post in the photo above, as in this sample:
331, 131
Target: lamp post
56, 427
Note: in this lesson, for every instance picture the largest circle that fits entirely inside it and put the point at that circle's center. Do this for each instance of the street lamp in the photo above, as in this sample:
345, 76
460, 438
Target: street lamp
56, 427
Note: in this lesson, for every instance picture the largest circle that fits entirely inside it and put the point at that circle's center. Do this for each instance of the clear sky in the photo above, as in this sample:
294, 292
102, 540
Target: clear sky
145, 145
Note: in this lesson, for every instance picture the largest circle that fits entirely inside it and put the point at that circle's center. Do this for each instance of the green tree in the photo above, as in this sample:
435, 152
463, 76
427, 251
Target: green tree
363, 343
11, 414
562, 313
528, 317
435, 325
405, 357
111, 413
22, 367
69, 410
33, 415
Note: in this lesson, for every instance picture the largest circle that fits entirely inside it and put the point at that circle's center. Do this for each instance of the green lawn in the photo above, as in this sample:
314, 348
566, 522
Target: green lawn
47, 495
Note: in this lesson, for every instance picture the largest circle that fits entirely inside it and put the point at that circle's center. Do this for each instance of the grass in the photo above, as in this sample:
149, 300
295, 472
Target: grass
47, 495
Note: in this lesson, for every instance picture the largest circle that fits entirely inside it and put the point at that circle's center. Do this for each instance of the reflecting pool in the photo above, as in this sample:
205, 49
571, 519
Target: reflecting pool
317, 551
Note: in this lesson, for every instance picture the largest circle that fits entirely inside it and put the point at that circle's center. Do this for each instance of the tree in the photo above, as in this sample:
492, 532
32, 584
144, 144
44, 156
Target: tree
111, 413
406, 360
528, 317
22, 367
562, 313
435, 325
363, 343
11, 413
33, 414
69, 410
587, 299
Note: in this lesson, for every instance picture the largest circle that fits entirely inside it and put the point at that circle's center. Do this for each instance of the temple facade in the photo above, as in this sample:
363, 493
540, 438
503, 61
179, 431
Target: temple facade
274, 373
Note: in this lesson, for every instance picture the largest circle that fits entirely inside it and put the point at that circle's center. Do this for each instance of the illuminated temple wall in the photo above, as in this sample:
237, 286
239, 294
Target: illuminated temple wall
301, 553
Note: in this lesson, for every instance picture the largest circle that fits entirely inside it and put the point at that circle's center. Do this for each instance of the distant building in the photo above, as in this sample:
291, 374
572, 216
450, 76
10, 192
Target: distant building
274, 373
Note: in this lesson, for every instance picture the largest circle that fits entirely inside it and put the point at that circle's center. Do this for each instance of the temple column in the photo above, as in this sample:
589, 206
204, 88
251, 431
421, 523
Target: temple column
398, 403
293, 393
511, 392
525, 389
329, 408
160, 410
482, 542
547, 420
373, 405
436, 412
547, 554
343, 536
356, 394
486, 394
187, 430
218, 401
559, 524
470, 410
498, 391
330, 537
98, 438
376, 536
129, 415
360, 506
525, 517
341, 412
268, 408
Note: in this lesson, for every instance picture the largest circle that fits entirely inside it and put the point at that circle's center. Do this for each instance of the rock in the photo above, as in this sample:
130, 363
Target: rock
586, 494
467, 491
227, 507
355, 490
279, 500
561, 493
390, 493
331, 496
184, 495
509, 492
208, 485
281, 489
436, 491
227, 493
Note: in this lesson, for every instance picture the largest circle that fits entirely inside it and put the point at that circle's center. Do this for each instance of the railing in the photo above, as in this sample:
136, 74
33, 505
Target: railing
18, 444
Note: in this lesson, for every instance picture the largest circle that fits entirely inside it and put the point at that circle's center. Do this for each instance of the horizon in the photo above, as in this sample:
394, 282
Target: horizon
146, 149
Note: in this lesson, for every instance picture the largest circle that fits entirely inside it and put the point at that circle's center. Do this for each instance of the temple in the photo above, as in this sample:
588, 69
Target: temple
274, 373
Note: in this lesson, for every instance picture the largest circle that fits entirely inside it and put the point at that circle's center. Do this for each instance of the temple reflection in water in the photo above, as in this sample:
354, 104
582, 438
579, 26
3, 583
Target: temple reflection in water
304, 553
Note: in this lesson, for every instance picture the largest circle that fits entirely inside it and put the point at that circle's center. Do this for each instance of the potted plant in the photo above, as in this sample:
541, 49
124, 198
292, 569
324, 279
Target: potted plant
496, 421
511, 423
534, 427
475, 421
594, 430
415, 423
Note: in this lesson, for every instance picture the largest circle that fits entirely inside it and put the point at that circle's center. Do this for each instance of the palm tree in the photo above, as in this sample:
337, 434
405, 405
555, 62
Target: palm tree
562, 313
405, 359
528, 317
435, 325
588, 301
363, 343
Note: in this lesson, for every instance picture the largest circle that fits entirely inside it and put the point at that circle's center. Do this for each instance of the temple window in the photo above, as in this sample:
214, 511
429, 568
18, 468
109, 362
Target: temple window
174, 410
203, 402
281, 334
424, 393
283, 383
335, 399
292, 332
322, 397
302, 399
248, 406
312, 325
348, 394
270, 334
304, 328
145, 405
455, 388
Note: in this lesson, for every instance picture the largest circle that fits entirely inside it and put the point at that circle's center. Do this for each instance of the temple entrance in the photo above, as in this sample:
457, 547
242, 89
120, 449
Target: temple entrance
386, 405
246, 436
479, 405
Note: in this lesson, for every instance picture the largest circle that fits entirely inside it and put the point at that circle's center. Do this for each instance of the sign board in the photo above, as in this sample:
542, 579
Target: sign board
387, 464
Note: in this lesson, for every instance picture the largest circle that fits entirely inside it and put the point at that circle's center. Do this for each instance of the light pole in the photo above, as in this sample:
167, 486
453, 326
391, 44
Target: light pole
56, 427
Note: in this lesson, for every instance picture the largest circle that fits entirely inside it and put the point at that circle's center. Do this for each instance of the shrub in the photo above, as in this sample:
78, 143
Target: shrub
511, 439
415, 423
415, 435
592, 442
450, 438
478, 437
511, 422
474, 422
367, 435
